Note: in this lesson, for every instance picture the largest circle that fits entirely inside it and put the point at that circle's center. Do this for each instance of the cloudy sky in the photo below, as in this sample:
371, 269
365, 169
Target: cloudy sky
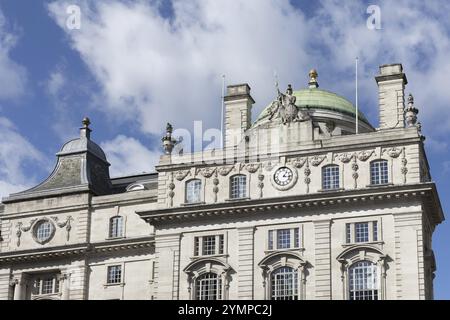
134, 65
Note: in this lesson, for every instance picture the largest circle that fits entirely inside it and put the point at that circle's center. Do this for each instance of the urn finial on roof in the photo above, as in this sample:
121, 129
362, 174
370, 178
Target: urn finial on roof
313, 79
85, 131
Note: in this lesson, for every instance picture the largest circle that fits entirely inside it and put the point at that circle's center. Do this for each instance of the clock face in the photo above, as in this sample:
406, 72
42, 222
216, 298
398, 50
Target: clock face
283, 176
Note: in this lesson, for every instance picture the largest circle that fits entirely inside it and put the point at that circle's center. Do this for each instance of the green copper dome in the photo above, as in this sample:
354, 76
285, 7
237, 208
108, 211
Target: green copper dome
314, 98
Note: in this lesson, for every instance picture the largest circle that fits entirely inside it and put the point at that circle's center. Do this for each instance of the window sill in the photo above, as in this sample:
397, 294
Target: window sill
379, 185
224, 255
186, 204
115, 238
237, 199
120, 284
331, 190
346, 245
283, 250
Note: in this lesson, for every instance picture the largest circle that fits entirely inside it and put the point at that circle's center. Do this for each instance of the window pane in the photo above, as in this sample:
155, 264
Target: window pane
379, 172
193, 189
270, 240
238, 187
330, 177
284, 284
296, 238
283, 239
208, 287
363, 284
47, 286
362, 232
114, 274
375, 231
197, 246
348, 234
209, 245
221, 244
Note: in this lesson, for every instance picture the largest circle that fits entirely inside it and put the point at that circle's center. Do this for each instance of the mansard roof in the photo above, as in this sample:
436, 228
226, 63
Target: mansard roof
81, 167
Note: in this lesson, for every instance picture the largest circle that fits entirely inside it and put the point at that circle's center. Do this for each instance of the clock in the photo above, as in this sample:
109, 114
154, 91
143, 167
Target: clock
284, 177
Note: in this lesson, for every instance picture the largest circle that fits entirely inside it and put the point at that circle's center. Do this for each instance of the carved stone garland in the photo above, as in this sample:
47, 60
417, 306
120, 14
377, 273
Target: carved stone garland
171, 188
307, 172
355, 174
21, 228
404, 169
215, 188
261, 182
66, 224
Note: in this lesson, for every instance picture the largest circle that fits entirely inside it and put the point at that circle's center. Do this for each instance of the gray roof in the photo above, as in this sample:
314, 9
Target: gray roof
81, 167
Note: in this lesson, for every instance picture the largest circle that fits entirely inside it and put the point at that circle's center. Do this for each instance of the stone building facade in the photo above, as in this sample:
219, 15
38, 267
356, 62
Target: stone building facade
295, 206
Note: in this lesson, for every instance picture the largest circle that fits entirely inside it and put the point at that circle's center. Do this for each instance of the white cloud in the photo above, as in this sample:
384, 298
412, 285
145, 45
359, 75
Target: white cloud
129, 156
154, 69
157, 70
13, 76
16, 153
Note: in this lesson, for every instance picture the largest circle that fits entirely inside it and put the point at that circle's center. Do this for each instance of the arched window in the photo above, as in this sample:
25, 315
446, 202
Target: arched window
330, 177
208, 287
193, 191
284, 284
379, 172
116, 227
238, 186
363, 281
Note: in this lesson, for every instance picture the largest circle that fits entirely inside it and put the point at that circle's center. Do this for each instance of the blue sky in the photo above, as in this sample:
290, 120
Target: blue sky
134, 65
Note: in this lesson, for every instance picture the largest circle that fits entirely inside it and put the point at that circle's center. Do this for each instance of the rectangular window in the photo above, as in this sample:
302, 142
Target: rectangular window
114, 274
362, 232
330, 177
47, 286
379, 172
283, 239
193, 191
238, 187
209, 245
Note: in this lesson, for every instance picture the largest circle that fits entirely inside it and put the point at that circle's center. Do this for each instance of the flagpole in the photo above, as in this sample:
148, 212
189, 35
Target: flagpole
221, 117
356, 96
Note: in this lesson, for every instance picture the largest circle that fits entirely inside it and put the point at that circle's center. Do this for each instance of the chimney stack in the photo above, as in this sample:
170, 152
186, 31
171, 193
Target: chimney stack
238, 113
391, 94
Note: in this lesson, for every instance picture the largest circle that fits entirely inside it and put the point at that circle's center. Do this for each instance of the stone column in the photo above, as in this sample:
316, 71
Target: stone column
322, 235
64, 280
18, 288
167, 266
246, 263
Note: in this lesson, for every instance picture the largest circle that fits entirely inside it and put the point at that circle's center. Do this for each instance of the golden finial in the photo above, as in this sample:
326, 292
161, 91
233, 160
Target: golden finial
313, 79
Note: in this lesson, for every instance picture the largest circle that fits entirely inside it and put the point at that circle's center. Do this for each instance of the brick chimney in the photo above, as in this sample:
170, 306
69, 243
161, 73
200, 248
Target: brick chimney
238, 113
391, 94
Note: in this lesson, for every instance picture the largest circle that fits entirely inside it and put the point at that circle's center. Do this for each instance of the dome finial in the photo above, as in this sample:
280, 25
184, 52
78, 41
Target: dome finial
85, 131
86, 122
313, 79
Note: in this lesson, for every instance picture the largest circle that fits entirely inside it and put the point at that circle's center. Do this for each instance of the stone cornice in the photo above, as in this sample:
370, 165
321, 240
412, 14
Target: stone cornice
76, 250
425, 191
349, 143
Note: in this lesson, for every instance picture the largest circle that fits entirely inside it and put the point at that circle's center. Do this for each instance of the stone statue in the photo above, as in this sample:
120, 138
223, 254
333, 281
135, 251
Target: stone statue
285, 107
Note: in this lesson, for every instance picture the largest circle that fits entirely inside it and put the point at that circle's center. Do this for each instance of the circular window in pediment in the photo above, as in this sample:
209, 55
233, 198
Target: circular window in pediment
43, 231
